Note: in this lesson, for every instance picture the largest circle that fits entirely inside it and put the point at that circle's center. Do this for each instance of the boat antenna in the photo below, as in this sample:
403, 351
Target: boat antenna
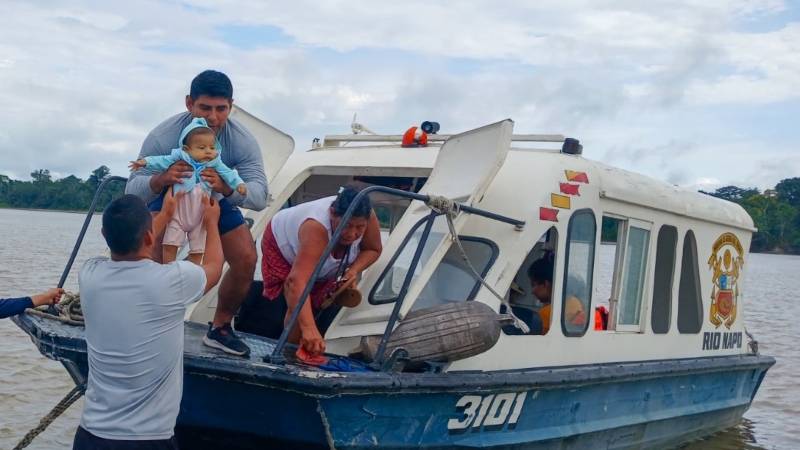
359, 128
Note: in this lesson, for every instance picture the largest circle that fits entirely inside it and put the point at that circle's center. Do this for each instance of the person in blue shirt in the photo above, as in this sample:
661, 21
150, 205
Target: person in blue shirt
13, 306
198, 147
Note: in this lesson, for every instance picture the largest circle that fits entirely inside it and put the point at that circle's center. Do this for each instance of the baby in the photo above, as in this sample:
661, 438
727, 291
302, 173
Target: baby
197, 146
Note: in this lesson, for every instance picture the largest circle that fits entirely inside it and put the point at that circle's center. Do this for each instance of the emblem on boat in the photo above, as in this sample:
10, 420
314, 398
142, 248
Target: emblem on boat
726, 264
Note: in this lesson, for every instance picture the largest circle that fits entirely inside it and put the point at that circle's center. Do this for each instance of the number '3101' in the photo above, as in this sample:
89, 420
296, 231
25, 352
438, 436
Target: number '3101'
493, 410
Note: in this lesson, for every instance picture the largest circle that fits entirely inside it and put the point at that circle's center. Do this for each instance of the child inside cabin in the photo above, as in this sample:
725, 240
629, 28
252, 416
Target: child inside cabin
13, 306
199, 147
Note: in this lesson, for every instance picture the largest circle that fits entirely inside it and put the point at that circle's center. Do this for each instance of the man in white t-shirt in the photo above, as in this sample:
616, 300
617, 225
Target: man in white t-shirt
134, 309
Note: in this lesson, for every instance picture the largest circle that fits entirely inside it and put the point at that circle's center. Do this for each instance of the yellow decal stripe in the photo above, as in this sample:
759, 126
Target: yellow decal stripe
560, 201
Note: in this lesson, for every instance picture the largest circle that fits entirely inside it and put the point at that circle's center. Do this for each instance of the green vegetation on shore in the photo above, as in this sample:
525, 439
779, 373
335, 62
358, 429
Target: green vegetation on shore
775, 212
68, 194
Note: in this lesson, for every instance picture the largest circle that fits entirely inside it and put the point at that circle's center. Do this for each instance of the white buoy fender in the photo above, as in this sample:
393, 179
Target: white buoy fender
443, 333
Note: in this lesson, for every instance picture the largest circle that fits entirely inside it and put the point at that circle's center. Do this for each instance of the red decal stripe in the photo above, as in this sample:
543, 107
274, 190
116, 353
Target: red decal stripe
570, 189
578, 177
548, 214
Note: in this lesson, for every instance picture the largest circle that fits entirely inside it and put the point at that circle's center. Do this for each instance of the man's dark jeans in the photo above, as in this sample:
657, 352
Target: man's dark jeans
87, 441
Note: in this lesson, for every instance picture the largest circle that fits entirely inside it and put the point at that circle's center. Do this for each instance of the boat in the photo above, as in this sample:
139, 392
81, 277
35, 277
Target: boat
439, 353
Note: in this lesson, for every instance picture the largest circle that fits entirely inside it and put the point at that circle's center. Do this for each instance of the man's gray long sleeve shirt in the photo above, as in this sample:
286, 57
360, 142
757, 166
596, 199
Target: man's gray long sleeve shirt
240, 151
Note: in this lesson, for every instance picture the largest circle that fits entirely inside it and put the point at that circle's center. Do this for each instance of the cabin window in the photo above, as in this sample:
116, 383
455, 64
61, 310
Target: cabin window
690, 311
609, 258
531, 292
384, 215
578, 269
662, 279
633, 275
452, 280
388, 287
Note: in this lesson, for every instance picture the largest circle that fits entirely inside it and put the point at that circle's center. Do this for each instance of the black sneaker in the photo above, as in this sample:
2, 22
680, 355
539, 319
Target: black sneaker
226, 340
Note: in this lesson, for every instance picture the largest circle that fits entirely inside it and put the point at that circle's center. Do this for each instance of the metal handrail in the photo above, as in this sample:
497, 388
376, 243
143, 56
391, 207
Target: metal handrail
276, 357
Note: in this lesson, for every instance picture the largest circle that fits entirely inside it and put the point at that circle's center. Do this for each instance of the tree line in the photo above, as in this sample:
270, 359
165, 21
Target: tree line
70, 193
776, 212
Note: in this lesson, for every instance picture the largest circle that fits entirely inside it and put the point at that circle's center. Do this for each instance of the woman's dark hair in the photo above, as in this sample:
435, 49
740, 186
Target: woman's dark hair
541, 270
125, 220
346, 196
212, 84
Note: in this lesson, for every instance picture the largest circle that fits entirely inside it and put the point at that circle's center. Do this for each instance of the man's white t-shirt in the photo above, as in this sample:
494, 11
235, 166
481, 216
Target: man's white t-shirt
134, 335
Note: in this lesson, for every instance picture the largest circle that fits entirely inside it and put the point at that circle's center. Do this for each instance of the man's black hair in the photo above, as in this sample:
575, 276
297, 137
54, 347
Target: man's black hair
212, 84
541, 270
346, 197
125, 221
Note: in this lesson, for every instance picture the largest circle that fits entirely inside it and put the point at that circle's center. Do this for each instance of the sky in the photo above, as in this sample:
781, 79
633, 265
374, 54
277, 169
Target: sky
698, 93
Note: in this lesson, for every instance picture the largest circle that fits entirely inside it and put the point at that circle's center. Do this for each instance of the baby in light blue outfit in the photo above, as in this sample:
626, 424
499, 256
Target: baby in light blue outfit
199, 147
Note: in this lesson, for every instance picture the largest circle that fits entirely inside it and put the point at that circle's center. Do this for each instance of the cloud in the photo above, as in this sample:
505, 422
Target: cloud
640, 83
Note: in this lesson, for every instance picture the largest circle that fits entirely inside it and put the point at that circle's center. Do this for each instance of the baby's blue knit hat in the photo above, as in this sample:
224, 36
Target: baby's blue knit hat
197, 122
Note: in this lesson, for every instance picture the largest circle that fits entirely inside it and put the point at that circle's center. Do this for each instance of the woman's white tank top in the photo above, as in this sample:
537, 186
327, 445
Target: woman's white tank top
286, 229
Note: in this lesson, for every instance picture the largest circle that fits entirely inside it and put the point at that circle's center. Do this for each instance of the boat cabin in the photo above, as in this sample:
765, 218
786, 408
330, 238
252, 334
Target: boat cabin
641, 270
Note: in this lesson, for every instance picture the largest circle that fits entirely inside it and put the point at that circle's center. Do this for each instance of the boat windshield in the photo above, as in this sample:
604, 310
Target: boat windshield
452, 281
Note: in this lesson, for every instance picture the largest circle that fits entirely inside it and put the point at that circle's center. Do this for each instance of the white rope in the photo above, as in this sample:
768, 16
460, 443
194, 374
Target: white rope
450, 210
69, 310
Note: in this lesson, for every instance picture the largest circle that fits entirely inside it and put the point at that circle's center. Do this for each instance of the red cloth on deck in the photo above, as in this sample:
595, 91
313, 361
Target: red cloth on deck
275, 270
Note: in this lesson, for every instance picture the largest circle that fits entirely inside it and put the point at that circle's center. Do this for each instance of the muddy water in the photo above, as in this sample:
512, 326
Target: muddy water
35, 245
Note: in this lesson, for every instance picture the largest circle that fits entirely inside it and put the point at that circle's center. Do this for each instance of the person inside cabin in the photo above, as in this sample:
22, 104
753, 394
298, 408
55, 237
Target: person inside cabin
540, 274
211, 98
133, 309
292, 245
13, 306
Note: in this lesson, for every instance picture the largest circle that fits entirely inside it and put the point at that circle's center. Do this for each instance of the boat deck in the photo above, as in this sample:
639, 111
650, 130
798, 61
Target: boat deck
64, 342
47, 332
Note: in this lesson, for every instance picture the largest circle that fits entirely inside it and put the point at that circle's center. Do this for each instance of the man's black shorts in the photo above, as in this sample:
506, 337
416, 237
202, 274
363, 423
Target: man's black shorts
87, 441
229, 216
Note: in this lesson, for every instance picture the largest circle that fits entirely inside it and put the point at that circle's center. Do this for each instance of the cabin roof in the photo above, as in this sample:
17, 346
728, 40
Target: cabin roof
629, 187
614, 183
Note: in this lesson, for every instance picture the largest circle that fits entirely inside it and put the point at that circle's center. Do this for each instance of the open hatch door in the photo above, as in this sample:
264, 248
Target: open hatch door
276, 146
468, 162
464, 169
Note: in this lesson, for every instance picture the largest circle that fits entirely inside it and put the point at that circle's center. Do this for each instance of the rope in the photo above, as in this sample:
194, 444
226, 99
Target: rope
59, 409
450, 210
69, 310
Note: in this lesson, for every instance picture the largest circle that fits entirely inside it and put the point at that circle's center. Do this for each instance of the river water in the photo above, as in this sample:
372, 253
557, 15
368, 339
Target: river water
35, 246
